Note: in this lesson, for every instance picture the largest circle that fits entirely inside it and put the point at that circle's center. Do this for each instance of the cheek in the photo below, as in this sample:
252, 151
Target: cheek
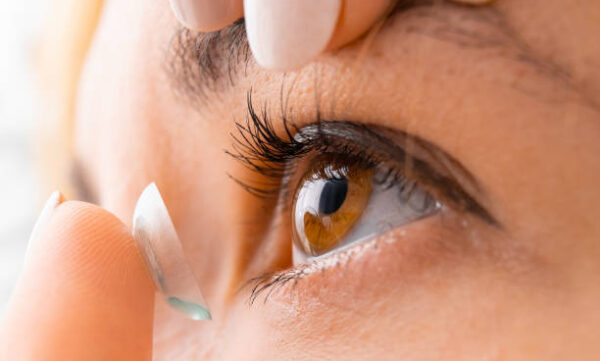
401, 296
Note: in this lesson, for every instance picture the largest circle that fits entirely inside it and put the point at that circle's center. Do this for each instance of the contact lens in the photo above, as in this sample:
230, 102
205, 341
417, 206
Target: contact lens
161, 249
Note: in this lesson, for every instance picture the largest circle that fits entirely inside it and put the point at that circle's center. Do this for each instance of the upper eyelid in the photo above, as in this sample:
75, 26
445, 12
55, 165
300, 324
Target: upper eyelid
261, 148
429, 163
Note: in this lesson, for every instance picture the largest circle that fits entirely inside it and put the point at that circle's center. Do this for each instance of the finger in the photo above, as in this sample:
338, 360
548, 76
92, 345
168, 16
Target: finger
207, 15
356, 18
84, 294
287, 34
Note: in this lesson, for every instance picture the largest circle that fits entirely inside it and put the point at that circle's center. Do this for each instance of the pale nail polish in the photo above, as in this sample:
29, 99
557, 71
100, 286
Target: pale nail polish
286, 34
206, 15
53, 201
161, 249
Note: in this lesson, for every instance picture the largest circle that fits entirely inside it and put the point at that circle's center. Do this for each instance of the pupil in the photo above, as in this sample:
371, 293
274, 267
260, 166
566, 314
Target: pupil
333, 195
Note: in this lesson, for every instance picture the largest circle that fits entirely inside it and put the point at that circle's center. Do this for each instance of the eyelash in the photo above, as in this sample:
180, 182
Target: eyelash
259, 148
262, 150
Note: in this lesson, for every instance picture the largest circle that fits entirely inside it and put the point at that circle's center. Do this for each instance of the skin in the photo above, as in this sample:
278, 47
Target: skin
60, 308
522, 116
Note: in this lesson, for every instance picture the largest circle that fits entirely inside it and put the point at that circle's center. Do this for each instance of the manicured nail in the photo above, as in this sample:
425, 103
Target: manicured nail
53, 201
286, 34
206, 15
163, 253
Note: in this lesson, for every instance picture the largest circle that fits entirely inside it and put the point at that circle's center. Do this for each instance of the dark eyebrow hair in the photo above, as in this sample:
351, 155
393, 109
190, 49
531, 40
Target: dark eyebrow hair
201, 64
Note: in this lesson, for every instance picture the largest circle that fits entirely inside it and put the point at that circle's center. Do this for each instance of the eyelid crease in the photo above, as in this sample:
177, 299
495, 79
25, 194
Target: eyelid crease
429, 164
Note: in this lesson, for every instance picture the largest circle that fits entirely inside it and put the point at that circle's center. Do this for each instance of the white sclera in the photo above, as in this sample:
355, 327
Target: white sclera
158, 242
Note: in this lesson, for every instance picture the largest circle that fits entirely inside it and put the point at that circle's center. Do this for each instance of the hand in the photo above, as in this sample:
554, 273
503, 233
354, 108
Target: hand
84, 294
286, 34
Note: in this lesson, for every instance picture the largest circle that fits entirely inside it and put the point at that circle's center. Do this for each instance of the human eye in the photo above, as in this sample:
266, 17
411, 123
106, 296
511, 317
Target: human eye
342, 199
341, 183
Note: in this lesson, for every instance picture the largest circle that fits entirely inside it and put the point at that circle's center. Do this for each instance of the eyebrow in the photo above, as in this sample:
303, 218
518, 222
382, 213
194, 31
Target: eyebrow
203, 64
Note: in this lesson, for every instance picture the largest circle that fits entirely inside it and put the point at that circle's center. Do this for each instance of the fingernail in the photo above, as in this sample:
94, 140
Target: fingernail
286, 34
53, 201
163, 253
206, 15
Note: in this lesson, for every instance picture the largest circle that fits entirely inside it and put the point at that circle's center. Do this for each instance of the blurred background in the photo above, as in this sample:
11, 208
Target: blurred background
21, 23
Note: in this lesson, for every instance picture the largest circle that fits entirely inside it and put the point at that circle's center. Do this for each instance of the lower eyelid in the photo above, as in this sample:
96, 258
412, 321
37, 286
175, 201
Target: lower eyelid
406, 246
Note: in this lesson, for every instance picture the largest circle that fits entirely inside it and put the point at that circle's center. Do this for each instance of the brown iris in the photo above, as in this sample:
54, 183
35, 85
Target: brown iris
330, 198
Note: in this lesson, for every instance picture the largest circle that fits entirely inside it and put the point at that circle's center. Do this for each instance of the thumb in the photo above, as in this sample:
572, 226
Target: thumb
84, 294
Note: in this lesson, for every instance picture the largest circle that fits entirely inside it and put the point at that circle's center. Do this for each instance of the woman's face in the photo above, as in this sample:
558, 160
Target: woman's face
443, 171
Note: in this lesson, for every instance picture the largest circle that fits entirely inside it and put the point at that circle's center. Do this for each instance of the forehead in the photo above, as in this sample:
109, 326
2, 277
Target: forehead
140, 70
203, 64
